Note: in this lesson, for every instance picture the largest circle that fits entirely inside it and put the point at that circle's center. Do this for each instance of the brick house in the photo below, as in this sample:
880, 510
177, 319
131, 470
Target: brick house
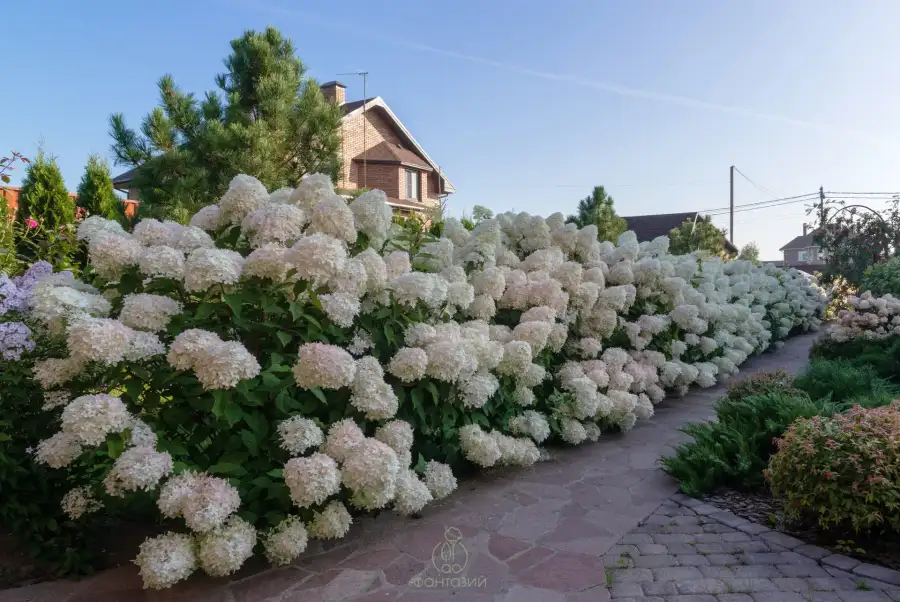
648, 227
377, 151
803, 253
11, 195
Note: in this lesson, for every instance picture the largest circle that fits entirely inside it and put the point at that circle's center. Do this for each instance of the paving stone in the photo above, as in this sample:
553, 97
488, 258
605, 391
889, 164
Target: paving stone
686, 500
716, 572
685, 529
710, 538
681, 548
716, 528
519, 593
863, 596
667, 538
749, 586
652, 548
781, 539
636, 538
839, 561
729, 519
754, 546
659, 588
735, 536
677, 573
594, 594
734, 598
811, 551
706, 509
880, 573
764, 558
685, 520
641, 599
722, 559
778, 597
697, 598
802, 570
839, 573
626, 550
692, 560
756, 571
565, 572
701, 586
830, 584
655, 561
626, 590
795, 558
631, 575
791, 584
753, 529
714, 548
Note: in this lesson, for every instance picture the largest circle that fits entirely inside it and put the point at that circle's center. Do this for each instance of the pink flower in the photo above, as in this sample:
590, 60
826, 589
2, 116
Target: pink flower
31, 223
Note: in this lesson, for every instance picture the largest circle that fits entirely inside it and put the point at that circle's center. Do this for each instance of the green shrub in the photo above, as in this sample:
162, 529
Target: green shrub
843, 470
733, 451
760, 384
882, 356
882, 278
841, 380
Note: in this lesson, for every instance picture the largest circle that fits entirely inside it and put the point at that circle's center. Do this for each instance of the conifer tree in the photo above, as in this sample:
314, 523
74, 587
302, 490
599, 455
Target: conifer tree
268, 120
44, 197
700, 236
95, 192
597, 208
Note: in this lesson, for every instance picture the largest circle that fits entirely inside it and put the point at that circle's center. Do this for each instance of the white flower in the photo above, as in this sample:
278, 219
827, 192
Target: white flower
224, 550
141, 435
112, 254
324, 366
312, 480
54, 372
268, 262
224, 364
449, 361
207, 267
333, 522
245, 193
515, 452
351, 280
80, 501
148, 312
398, 434
476, 390
532, 424
523, 396
207, 218
412, 494
162, 262
192, 238
90, 418
59, 450
533, 333
340, 308
572, 431
286, 541
477, 446
361, 342
370, 472
376, 270
138, 468
409, 289
317, 258
439, 479
95, 227
409, 364
333, 217
371, 395
55, 399
99, 339
372, 215
343, 436
166, 559
396, 264
203, 500
516, 358
274, 223
298, 434
151, 232
312, 189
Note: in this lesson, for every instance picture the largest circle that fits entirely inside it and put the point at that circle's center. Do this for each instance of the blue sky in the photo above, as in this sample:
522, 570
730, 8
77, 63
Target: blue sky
526, 105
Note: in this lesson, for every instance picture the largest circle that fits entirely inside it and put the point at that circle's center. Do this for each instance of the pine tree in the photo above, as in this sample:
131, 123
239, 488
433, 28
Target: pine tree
44, 197
95, 192
750, 252
273, 124
700, 236
597, 208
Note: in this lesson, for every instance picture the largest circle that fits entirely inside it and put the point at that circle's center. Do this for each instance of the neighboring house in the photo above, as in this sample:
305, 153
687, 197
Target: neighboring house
11, 194
377, 151
803, 253
648, 227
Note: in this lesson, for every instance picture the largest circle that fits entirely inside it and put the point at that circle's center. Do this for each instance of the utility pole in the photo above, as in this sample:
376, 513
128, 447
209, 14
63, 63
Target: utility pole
821, 206
731, 206
365, 77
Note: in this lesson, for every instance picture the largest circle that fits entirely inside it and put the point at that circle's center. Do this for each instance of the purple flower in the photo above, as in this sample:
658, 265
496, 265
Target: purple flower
15, 339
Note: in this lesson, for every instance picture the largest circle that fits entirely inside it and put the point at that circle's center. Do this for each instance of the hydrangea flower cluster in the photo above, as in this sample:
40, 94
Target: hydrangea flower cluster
869, 317
565, 334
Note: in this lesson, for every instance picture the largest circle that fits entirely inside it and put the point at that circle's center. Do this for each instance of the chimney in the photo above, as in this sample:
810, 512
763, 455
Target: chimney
804, 229
334, 92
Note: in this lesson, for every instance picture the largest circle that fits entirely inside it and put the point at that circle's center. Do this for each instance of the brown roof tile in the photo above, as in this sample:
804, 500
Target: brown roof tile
386, 152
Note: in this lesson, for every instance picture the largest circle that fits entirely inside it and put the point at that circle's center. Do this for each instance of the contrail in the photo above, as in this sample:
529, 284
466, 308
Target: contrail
604, 86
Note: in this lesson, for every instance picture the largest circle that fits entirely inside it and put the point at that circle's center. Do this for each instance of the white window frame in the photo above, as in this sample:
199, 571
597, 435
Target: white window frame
803, 255
411, 184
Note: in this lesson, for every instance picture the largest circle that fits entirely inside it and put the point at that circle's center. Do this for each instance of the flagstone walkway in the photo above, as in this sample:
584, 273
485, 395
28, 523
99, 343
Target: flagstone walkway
507, 535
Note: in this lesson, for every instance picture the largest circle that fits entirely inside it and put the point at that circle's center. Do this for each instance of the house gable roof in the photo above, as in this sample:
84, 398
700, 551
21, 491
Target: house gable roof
648, 227
800, 242
387, 152
356, 108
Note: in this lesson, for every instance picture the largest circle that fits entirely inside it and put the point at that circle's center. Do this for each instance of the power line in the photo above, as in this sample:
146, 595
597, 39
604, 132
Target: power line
760, 188
889, 194
763, 204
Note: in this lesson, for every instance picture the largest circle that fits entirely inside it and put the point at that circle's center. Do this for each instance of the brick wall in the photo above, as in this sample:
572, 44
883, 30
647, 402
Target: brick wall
11, 195
389, 178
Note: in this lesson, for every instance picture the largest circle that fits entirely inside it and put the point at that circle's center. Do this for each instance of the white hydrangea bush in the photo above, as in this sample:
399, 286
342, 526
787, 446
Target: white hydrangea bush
869, 318
291, 359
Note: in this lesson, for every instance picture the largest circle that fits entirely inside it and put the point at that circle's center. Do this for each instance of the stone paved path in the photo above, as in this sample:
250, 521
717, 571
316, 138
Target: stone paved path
516, 535
688, 551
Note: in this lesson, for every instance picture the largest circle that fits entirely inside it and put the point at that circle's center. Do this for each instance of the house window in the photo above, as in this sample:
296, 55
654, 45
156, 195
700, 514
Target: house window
803, 255
412, 184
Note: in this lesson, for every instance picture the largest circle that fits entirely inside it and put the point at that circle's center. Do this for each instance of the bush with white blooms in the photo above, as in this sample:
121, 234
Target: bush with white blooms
288, 361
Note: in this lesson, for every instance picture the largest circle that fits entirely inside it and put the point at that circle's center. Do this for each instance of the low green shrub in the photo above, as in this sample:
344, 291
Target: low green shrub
843, 470
882, 278
734, 450
882, 356
841, 380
